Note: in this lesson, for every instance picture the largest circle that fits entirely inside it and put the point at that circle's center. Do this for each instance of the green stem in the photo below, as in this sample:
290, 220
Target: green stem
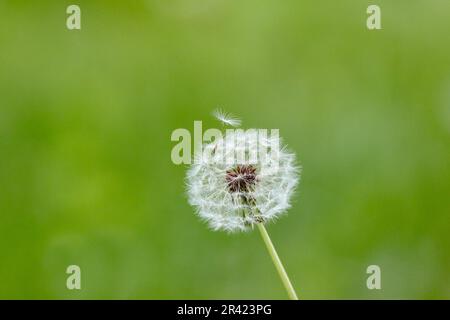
277, 262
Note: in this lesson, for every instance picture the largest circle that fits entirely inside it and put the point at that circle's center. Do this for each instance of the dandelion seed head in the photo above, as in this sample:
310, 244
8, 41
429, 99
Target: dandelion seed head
235, 196
226, 118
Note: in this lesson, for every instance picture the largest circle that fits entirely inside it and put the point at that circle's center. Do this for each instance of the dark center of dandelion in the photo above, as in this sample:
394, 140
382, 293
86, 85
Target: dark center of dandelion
241, 178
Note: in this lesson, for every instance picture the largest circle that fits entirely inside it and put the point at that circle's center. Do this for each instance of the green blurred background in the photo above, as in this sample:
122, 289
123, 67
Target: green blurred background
86, 117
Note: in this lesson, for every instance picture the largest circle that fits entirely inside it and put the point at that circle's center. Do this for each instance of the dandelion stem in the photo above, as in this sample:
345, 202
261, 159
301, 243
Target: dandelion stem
277, 262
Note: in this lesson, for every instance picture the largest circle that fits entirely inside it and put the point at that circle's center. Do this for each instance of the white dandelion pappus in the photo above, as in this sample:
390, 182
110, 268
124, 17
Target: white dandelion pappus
233, 197
226, 118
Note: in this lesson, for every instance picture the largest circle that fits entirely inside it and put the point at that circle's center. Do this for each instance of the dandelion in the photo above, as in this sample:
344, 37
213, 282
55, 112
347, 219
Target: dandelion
237, 195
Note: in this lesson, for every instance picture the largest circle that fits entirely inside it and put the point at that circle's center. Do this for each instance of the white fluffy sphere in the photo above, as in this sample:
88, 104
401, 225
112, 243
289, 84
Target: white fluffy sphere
232, 186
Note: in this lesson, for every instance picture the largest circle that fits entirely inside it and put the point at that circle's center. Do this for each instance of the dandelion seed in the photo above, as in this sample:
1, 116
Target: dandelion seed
226, 118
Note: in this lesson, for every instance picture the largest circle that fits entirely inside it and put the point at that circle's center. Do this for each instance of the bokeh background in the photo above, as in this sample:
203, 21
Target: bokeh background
86, 117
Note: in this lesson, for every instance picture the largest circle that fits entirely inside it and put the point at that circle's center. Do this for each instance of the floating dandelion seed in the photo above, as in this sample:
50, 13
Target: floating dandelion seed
233, 197
236, 196
226, 118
